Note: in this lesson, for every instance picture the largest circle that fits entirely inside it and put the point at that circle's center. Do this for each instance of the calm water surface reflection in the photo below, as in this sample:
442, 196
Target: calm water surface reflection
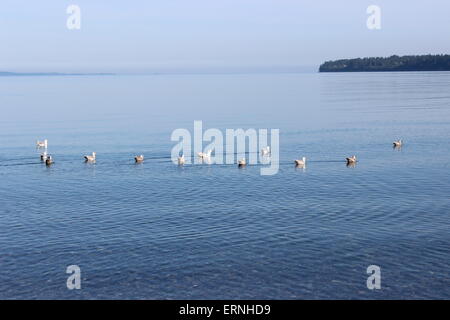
156, 231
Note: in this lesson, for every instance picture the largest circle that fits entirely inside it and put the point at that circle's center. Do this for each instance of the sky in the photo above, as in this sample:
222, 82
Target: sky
147, 35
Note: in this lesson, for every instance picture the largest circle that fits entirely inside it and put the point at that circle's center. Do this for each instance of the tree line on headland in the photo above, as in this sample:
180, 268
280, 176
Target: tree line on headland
439, 62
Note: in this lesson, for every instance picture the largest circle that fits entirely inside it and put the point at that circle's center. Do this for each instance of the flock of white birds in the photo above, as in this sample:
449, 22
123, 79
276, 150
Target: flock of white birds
48, 159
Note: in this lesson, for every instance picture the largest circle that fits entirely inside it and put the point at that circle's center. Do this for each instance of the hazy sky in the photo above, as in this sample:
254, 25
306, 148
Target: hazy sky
142, 35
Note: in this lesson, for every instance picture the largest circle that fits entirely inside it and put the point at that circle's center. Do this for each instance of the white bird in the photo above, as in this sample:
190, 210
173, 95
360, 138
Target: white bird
351, 160
204, 155
265, 151
181, 160
139, 159
397, 143
42, 144
301, 163
242, 162
49, 160
44, 156
90, 158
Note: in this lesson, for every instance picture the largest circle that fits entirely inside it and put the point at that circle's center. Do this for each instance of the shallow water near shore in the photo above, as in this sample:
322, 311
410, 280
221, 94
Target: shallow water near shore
157, 231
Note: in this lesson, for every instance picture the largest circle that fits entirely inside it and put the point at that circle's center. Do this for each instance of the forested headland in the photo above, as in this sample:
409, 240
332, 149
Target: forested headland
429, 62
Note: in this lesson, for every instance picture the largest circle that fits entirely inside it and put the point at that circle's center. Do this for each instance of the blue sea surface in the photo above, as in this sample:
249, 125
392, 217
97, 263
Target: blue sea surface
209, 231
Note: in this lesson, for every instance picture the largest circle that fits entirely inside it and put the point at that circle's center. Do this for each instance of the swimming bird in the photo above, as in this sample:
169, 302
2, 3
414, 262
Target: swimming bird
49, 160
351, 160
265, 151
204, 155
44, 156
397, 143
181, 160
90, 158
242, 162
42, 144
301, 163
139, 159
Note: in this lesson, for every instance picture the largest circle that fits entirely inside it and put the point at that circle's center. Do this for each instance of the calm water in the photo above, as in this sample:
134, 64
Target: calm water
156, 231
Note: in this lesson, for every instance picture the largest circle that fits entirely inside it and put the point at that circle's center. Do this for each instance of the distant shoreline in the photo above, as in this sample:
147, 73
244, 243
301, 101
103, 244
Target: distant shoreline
179, 71
389, 64
21, 74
